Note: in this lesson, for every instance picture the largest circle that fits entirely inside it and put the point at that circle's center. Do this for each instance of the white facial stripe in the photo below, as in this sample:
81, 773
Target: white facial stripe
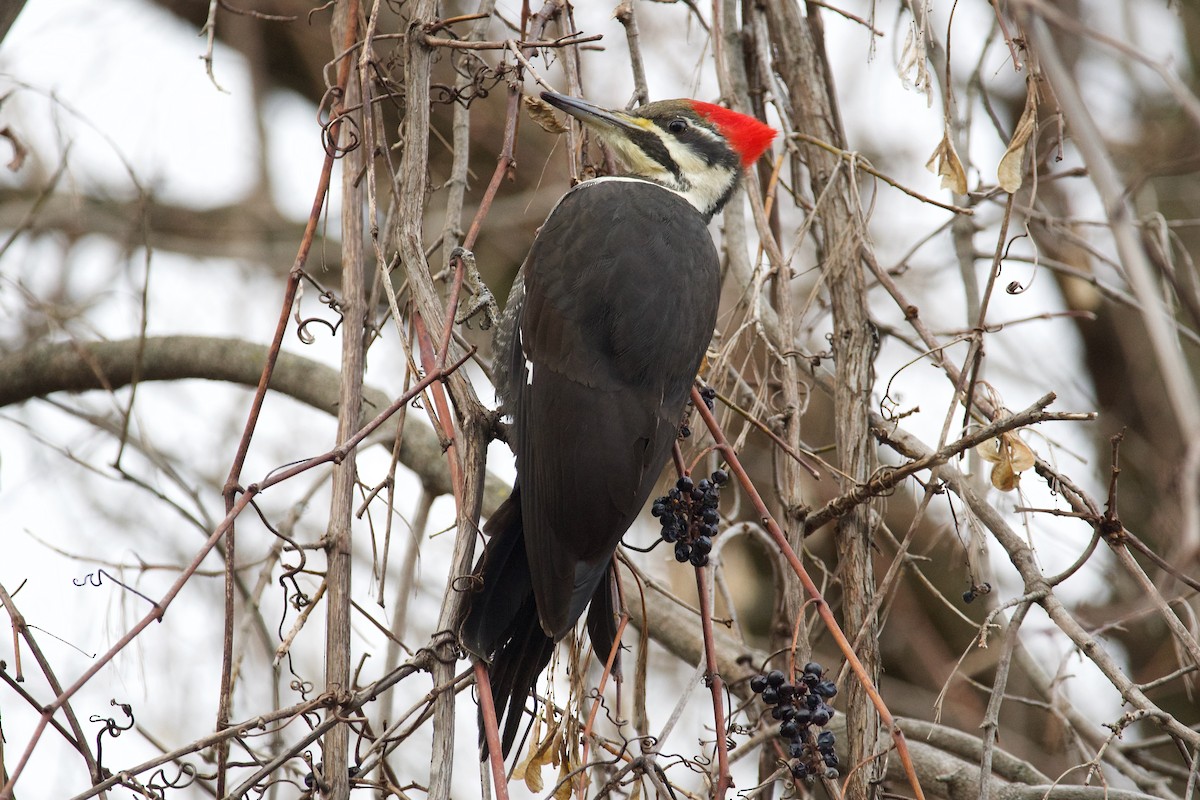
635, 158
704, 184
708, 182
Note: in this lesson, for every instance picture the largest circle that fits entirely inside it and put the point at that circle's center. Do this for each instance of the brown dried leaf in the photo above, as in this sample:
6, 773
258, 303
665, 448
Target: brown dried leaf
521, 768
533, 778
1010, 172
1011, 456
543, 114
19, 149
1003, 478
1020, 455
989, 451
543, 752
564, 785
945, 163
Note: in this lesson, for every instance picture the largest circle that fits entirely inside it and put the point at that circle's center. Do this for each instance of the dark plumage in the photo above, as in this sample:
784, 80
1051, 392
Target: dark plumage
596, 355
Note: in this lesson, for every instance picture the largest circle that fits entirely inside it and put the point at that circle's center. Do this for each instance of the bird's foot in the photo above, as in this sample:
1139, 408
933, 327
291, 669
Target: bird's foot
483, 300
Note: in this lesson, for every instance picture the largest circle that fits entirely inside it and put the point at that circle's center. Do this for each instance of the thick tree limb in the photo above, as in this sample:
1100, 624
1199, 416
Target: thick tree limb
84, 366
247, 231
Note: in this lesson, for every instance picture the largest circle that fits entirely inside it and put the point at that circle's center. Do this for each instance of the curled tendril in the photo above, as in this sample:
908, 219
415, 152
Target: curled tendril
479, 85
111, 727
329, 299
353, 137
441, 93
332, 149
328, 100
306, 336
878, 484
97, 579
467, 583
185, 776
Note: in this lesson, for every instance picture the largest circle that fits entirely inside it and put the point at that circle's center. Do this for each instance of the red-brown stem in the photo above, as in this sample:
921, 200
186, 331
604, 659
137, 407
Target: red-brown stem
810, 586
451, 311
491, 730
17, 622
289, 297
428, 362
716, 685
235, 470
608, 665
505, 163
507, 160
677, 457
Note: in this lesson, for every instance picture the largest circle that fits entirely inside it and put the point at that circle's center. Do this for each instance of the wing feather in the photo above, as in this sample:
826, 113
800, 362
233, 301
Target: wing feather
613, 341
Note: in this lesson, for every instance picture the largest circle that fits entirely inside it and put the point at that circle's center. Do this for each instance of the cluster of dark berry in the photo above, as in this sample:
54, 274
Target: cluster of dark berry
709, 396
688, 514
799, 707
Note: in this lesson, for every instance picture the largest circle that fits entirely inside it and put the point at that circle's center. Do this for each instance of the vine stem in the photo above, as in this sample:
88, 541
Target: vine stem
810, 586
609, 663
715, 684
231, 487
487, 707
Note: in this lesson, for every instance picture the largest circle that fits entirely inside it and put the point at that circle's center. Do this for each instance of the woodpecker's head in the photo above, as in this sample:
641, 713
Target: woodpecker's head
695, 149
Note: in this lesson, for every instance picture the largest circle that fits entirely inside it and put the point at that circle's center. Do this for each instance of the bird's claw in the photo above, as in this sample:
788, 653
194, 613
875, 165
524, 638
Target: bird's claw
483, 300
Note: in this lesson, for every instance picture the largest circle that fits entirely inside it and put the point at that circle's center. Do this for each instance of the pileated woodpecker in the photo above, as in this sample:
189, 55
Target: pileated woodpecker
596, 353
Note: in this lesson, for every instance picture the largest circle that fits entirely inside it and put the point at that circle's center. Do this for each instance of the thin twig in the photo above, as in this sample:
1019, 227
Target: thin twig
859, 162
504, 44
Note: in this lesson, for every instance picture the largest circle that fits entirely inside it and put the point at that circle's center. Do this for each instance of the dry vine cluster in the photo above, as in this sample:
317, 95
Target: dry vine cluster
960, 568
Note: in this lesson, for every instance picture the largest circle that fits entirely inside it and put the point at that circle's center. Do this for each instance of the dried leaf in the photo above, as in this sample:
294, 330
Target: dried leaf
521, 768
19, 149
1011, 456
542, 752
913, 61
1003, 478
1010, 172
945, 163
1020, 454
533, 779
564, 785
543, 114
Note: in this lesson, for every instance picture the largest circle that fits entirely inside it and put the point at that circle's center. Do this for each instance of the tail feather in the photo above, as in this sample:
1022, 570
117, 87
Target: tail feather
503, 583
514, 673
501, 624
602, 621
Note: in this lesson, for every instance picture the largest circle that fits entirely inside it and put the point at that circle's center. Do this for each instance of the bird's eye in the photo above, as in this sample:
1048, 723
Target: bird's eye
677, 126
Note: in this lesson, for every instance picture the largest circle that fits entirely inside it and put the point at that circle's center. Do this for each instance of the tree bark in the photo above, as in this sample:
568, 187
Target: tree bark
799, 48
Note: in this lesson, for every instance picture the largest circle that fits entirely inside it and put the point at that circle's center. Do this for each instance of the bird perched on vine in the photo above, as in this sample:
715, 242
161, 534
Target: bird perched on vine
596, 353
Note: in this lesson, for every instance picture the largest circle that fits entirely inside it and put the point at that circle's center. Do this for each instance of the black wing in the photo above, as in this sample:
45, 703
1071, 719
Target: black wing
621, 293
